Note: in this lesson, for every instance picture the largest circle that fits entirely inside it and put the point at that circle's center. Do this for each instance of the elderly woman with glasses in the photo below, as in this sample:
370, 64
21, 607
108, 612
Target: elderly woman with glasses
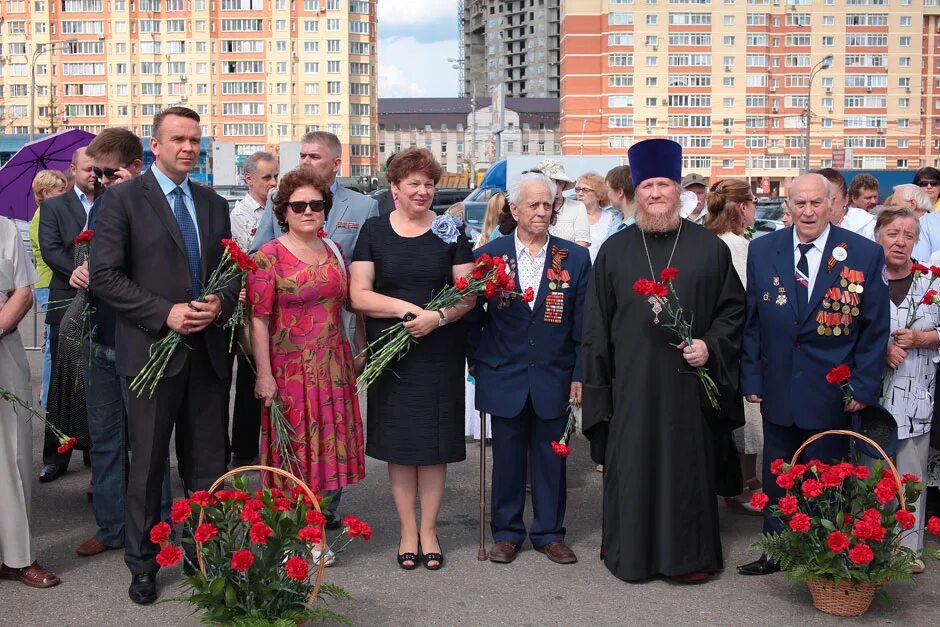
304, 361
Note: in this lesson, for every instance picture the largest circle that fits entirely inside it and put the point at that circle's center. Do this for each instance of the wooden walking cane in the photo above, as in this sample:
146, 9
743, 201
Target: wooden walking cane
481, 553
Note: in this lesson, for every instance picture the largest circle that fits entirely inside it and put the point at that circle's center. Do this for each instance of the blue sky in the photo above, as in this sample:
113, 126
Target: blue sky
415, 39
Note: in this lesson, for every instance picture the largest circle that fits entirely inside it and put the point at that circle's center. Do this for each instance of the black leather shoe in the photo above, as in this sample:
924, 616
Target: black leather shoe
763, 566
143, 590
333, 524
51, 472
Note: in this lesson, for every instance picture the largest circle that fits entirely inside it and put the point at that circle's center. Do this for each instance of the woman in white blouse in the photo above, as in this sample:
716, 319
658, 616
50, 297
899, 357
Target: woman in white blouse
731, 208
911, 356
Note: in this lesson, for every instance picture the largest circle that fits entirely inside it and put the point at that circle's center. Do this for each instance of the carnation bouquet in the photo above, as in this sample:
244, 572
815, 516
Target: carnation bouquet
83, 244
930, 296
235, 263
254, 554
842, 523
491, 276
664, 300
66, 443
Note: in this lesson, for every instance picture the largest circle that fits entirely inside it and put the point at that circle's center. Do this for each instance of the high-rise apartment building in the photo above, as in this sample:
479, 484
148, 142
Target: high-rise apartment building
514, 42
730, 80
259, 72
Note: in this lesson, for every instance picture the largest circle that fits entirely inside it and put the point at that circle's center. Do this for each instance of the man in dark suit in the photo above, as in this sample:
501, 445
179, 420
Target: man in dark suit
60, 219
817, 297
158, 240
526, 361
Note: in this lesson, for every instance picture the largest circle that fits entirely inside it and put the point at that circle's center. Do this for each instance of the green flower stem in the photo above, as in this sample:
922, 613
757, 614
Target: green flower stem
15, 400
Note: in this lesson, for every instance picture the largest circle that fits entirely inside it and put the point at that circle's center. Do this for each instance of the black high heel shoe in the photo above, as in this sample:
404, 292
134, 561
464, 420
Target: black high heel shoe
408, 557
434, 557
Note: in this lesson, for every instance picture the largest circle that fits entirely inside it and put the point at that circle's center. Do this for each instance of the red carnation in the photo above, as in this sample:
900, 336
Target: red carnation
935, 271
355, 527
202, 498
787, 505
260, 533
776, 467
811, 488
798, 470
929, 295
169, 556
885, 490
839, 375
910, 478
296, 568
84, 237
528, 295
477, 273
786, 480
316, 517
919, 267
660, 290
933, 526
461, 284
837, 542
67, 445
759, 500
561, 450
832, 478
310, 533
905, 518
861, 472
205, 532
799, 523
489, 290
861, 554
643, 287
251, 515
160, 532
180, 511
872, 515
668, 274
242, 559
281, 504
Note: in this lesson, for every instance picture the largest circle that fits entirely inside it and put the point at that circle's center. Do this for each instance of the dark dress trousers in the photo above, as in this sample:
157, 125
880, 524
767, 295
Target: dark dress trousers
140, 268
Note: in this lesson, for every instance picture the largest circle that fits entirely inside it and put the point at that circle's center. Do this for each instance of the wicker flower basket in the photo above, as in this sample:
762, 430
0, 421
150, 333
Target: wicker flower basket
318, 580
842, 597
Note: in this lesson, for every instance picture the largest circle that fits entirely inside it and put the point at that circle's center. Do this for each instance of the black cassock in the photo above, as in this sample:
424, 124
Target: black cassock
646, 415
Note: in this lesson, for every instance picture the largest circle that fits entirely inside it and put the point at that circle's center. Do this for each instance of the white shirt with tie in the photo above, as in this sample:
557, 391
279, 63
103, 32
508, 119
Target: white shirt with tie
813, 257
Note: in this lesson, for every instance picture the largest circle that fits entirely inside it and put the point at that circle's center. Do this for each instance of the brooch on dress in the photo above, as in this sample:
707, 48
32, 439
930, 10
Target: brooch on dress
447, 228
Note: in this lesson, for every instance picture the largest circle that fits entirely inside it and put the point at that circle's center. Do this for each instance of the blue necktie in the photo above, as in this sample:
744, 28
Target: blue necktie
802, 279
190, 239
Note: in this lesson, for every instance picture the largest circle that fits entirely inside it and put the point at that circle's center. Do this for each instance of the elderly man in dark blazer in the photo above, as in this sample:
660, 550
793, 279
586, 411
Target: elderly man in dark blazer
158, 240
525, 357
60, 219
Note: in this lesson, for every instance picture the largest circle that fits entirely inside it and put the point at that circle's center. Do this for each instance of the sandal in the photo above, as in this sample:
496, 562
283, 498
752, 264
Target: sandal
408, 557
33, 575
434, 557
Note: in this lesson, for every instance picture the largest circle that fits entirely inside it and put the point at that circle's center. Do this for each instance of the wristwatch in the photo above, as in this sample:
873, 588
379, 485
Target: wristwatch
443, 319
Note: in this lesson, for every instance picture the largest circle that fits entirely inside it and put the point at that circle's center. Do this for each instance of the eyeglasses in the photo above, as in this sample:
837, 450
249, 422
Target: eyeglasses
928, 183
583, 190
300, 206
108, 173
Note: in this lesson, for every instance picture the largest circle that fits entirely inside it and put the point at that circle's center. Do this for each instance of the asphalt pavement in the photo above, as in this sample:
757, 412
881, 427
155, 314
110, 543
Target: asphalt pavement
530, 591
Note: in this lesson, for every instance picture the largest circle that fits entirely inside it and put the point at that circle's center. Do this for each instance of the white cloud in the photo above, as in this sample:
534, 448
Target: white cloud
415, 13
411, 69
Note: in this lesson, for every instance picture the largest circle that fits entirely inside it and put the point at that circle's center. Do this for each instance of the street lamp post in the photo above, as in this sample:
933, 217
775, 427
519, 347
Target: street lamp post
40, 48
825, 64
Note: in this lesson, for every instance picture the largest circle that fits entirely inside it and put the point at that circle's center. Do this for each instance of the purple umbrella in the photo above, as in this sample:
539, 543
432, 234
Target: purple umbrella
53, 152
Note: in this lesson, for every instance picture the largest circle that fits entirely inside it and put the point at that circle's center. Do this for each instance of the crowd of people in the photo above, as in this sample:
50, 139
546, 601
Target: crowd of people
336, 269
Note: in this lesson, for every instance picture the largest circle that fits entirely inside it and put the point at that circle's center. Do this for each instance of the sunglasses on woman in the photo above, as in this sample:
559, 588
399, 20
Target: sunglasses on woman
300, 206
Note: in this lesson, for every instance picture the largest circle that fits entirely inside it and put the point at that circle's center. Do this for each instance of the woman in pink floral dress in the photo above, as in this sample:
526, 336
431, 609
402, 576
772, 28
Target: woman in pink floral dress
303, 358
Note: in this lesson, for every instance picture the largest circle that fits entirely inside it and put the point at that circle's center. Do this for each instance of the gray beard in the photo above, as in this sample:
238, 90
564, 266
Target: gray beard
657, 223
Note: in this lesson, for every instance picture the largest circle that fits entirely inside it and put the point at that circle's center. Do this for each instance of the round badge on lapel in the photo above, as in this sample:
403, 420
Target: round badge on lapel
839, 253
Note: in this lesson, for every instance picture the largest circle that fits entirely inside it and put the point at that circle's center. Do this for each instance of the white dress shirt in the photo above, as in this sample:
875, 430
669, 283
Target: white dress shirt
813, 257
529, 268
245, 216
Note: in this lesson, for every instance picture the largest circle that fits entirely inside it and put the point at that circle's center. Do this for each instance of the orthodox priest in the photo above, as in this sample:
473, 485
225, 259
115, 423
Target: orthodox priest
666, 452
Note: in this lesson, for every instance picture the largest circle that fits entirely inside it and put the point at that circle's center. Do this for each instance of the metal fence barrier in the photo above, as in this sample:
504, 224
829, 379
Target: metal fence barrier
33, 329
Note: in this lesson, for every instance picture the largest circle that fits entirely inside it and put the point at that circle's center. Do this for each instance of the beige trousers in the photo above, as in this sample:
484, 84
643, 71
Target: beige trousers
16, 456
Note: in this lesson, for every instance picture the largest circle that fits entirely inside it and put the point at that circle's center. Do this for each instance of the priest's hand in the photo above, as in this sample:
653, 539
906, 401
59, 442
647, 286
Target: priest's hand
895, 355
855, 406
754, 398
574, 396
696, 355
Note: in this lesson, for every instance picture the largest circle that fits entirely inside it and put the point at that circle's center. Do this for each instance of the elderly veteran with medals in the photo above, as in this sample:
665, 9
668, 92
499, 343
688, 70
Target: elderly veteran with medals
817, 297
526, 360
645, 411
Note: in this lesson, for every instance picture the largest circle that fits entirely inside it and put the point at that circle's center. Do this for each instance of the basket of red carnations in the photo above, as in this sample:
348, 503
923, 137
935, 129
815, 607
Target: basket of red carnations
842, 526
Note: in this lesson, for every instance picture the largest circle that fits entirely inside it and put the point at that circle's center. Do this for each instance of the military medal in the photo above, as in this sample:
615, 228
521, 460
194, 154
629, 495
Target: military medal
776, 281
555, 307
821, 330
837, 331
839, 252
766, 297
781, 299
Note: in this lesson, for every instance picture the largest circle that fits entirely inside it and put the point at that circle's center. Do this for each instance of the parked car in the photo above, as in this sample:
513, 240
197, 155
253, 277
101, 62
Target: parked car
446, 196
769, 216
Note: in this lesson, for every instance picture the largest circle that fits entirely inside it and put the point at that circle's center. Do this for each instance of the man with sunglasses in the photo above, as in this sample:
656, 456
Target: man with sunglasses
323, 152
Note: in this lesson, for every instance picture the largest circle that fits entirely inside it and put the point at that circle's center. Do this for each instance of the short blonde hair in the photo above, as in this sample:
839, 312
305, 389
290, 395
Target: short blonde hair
596, 182
47, 181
